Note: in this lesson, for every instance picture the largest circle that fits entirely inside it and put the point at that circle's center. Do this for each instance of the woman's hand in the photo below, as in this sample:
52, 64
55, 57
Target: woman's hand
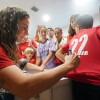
73, 60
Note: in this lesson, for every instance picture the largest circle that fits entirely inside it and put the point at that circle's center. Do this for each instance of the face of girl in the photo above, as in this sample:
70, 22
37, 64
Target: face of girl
25, 38
58, 34
22, 29
29, 54
43, 32
73, 23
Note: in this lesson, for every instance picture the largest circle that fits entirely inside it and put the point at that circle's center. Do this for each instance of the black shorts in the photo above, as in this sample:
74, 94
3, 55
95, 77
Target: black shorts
83, 91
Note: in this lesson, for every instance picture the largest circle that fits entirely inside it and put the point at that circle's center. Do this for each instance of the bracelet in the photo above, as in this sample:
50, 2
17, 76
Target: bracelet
22, 65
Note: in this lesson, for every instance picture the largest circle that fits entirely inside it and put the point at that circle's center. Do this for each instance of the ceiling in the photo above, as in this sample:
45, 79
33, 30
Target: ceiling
59, 10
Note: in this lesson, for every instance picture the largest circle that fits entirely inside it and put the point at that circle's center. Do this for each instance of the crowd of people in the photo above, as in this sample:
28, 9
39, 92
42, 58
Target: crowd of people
49, 57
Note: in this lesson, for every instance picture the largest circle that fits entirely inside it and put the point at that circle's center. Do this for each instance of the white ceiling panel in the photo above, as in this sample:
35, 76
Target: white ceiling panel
58, 10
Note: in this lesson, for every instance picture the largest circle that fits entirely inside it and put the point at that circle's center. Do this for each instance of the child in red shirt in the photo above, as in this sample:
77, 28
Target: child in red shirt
30, 55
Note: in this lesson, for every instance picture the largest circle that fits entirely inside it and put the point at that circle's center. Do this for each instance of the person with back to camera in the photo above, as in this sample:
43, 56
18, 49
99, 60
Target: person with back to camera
85, 79
14, 22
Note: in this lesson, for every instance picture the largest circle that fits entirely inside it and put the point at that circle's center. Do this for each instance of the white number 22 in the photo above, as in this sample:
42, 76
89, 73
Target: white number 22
75, 43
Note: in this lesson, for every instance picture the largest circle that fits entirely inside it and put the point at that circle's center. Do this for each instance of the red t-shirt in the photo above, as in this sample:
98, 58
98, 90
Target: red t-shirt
33, 60
86, 44
69, 37
4, 60
23, 46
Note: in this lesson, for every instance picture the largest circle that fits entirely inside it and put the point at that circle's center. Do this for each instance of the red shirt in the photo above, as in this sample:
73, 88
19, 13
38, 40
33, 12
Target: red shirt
4, 60
86, 44
57, 60
23, 46
69, 37
33, 60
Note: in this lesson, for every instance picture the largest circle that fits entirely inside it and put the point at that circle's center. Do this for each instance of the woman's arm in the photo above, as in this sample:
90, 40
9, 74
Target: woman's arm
60, 54
31, 45
47, 59
25, 86
38, 61
31, 68
36, 38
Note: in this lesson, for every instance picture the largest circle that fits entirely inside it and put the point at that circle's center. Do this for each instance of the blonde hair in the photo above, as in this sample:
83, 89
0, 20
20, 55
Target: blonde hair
28, 50
42, 27
26, 36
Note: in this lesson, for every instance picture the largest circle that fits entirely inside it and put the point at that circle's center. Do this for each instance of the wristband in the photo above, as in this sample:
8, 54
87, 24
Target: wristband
22, 65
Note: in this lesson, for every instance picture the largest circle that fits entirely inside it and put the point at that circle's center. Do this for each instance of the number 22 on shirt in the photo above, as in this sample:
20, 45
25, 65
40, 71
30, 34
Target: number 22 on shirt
83, 40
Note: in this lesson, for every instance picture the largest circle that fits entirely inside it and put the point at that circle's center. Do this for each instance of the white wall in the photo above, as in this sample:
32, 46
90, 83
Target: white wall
96, 23
65, 30
96, 20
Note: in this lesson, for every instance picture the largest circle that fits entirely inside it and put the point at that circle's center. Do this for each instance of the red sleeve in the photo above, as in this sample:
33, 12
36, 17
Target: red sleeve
65, 48
69, 37
19, 56
33, 60
98, 31
34, 44
4, 60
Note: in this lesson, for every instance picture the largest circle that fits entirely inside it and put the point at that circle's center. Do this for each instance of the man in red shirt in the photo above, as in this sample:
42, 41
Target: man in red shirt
86, 43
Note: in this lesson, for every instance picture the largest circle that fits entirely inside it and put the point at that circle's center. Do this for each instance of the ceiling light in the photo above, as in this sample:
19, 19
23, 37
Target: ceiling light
82, 2
46, 18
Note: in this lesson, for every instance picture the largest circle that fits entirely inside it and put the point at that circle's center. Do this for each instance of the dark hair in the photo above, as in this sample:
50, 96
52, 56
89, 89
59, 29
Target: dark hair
71, 31
85, 21
58, 29
9, 18
50, 28
74, 16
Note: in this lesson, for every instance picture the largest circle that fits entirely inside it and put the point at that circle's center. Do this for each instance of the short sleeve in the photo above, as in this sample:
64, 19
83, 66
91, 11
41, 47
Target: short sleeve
65, 48
19, 55
98, 31
4, 60
38, 52
34, 44
52, 45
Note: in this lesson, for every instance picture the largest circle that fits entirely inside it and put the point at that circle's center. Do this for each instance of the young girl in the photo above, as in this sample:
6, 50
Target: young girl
26, 43
45, 51
14, 22
50, 33
30, 55
71, 29
37, 35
